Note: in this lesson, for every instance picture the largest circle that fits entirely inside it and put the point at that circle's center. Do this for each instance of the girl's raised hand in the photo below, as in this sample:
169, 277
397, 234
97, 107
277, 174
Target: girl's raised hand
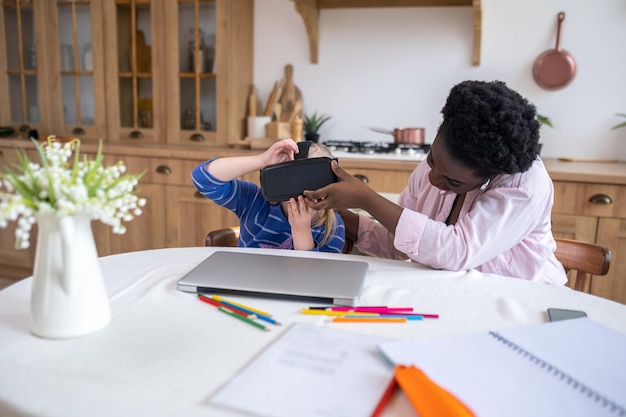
298, 214
280, 151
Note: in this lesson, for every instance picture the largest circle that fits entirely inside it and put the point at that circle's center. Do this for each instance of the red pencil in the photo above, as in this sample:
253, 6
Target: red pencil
384, 400
229, 308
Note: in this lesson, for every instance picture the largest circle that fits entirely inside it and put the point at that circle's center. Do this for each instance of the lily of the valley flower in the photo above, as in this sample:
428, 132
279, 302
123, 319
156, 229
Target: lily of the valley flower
66, 185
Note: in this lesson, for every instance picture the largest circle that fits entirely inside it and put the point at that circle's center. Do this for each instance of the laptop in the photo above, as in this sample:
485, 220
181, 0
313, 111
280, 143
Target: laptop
323, 280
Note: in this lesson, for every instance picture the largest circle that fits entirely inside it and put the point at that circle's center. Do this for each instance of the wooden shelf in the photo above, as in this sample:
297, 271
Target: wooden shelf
310, 12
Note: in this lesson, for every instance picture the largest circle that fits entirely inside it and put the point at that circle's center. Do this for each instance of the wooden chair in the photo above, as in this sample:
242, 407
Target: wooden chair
228, 236
587, 259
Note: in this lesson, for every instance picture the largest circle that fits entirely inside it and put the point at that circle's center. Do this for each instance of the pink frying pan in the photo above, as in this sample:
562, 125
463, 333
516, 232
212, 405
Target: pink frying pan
555, 68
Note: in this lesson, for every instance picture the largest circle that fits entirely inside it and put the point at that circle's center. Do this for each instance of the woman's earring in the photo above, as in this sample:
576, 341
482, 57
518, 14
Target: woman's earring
485, 185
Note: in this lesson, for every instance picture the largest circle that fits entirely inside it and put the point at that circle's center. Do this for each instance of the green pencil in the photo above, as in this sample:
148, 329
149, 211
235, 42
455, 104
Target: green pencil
242, 318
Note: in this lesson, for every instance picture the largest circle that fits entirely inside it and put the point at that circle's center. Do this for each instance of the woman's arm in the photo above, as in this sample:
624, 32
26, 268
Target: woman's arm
350, 192
227, 169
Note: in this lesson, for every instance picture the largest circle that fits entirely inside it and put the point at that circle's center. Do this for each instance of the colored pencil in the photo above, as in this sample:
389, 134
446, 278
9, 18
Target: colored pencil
349, 315
244, 319
373, 309
234, 310
249, 311
332, 313
384, 400
369, 320
331, 307
426, 316
254, 310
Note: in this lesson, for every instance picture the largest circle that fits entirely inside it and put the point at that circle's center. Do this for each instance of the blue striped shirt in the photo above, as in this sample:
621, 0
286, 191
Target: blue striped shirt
262, 225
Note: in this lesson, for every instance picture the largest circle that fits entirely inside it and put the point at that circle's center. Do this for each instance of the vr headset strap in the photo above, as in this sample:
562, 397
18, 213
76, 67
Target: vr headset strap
303, 147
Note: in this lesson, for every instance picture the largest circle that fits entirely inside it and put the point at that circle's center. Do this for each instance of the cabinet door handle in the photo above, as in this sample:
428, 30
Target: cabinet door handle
362, 178
196, 138
164, 169
78, 131
135, 134
600, 199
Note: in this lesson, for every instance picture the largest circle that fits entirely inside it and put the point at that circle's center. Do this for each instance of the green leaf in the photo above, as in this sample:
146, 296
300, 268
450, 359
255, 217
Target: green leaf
52, 199
544, 120
312, 123
621, 124
76, 163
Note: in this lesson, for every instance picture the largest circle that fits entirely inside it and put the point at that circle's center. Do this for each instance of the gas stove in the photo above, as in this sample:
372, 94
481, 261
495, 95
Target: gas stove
377, 150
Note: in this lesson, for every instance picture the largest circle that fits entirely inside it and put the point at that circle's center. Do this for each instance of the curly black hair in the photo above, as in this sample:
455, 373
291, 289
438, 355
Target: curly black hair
490, 128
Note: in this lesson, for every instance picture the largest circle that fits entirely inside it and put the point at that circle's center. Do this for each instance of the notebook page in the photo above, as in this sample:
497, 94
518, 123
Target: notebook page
495, 379
311, 371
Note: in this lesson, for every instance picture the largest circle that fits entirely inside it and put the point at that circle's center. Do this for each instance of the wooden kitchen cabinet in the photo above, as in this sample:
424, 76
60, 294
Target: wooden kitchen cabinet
52, 67
382, 180
14, 263
384, 176
125, 70
178, 71
190, 216
595, 213
130, 78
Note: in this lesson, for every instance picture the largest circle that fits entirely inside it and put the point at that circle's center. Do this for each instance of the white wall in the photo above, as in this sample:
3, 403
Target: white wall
393, 67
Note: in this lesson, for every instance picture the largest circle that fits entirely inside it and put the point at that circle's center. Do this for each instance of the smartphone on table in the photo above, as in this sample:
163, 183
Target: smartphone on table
557, 314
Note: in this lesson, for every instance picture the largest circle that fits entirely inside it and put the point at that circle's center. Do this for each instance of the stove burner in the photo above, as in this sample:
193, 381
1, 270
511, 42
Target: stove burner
370, 148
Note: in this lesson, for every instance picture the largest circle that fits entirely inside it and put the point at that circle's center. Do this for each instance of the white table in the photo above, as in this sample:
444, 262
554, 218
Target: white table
165, 352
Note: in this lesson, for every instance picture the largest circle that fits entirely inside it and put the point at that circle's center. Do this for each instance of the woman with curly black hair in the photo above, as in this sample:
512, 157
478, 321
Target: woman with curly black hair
482, 200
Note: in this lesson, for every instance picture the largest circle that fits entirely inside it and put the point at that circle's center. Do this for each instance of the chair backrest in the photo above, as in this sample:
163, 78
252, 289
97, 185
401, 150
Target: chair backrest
587, 259
228, 236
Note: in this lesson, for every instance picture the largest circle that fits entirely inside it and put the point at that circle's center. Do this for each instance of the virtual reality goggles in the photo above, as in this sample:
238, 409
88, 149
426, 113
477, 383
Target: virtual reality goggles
282, 181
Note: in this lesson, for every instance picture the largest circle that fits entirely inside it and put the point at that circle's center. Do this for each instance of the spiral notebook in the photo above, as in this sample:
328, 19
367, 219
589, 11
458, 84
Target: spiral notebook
567, 368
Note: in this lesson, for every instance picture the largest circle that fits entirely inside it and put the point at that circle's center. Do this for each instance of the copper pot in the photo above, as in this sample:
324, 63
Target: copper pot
408, 135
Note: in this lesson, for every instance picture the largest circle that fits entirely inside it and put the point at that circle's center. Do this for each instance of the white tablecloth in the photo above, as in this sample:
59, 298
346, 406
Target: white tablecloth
165, 352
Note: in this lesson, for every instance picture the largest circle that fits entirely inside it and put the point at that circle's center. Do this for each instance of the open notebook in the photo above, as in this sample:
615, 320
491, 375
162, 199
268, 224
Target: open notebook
310, 370
566, 368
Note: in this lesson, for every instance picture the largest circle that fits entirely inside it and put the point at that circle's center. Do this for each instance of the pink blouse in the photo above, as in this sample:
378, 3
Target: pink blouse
504, 230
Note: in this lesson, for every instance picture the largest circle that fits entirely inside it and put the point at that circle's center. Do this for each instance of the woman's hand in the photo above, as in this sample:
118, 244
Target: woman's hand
349, 192
280, 151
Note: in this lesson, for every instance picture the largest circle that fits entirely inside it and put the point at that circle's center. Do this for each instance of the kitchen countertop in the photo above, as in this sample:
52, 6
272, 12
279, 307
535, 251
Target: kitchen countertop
590, 172
585, 172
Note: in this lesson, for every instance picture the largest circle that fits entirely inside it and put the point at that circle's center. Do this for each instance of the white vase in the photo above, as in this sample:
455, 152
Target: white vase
68, 295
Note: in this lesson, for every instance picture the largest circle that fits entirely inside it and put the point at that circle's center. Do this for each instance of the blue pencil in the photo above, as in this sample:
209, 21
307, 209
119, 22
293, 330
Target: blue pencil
245, 310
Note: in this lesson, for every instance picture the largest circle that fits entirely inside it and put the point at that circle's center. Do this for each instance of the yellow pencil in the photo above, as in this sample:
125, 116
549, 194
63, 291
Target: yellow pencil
217, 298
334, 313
242, 318
369, 320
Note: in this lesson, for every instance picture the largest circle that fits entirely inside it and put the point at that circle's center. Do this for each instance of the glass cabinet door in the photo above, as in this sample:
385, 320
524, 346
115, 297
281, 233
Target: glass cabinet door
192, 76
79, 100
132, 69
21, 108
